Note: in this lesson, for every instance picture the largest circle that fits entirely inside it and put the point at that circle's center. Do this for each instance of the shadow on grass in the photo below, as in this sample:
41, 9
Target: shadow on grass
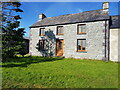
25, 61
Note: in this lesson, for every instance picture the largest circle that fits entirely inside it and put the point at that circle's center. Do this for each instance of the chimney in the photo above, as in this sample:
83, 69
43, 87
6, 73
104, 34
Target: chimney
42, 16
105, 5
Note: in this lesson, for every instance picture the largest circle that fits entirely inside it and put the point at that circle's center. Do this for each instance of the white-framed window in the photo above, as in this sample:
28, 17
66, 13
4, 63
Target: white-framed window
81, 29
42, 32
59, 30
81, 45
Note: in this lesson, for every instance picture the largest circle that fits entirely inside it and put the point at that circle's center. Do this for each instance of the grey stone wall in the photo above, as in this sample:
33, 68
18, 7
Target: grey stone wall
49, 38
95, 40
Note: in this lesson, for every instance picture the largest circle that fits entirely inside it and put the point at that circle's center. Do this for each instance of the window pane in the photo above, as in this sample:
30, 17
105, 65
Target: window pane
79, 45
42, 31
83, 44
83, 28
78, 42
79, 29
59, 30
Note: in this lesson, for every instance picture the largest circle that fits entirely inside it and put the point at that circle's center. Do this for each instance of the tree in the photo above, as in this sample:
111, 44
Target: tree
12, 35
49, 44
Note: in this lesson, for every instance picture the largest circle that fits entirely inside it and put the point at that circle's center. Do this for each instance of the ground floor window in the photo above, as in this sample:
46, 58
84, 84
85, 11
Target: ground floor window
41, 44
81, 45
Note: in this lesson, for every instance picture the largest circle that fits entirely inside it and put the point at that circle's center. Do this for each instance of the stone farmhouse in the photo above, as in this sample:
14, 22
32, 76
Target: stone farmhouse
87, 35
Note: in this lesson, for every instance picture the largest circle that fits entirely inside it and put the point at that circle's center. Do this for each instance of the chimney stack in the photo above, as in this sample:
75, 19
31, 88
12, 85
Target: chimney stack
105, 5
42, 16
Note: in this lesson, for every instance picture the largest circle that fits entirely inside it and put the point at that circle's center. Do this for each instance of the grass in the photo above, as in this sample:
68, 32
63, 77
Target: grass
43, 72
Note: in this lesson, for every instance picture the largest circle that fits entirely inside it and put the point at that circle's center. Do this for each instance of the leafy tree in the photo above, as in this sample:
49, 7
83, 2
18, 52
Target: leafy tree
49, 41
12, 35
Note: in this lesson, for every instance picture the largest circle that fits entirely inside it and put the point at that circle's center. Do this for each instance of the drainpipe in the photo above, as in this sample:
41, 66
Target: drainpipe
105, 9
106, 42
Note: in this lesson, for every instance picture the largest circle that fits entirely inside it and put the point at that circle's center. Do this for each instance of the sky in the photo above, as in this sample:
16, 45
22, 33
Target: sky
51, 9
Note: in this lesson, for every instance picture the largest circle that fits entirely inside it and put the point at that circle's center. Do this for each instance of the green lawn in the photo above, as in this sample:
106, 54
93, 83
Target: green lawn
41, 72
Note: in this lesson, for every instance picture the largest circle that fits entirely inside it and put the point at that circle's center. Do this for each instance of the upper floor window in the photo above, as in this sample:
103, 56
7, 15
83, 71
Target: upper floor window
59, 30
81, 29
81, 45
42, 32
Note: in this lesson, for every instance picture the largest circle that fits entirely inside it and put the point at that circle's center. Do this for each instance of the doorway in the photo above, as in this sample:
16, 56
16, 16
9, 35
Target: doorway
59, 47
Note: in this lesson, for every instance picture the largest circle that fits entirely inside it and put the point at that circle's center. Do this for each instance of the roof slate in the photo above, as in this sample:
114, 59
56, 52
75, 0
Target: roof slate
115, 21
74, 18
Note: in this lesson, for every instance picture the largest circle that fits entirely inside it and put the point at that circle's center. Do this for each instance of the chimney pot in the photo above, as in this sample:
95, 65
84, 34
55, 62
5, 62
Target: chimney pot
105, 5
42, 16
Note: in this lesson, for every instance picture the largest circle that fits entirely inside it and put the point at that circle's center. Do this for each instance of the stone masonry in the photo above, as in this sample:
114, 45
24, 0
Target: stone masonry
95, 40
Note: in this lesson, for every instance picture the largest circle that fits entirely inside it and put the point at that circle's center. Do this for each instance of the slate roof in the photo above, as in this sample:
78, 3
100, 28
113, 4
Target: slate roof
86, 16
115, 21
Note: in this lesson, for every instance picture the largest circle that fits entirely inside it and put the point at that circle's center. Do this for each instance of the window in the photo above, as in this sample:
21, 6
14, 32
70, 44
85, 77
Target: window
41, 44
81, 29
60, 30
42, 32
81, 45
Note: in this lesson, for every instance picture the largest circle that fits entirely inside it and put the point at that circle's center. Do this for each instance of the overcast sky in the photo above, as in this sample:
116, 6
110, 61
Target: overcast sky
51, 9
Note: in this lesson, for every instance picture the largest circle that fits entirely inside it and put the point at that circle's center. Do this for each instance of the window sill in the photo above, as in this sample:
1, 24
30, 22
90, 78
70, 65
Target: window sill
80, 33
41, 35
82, 51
